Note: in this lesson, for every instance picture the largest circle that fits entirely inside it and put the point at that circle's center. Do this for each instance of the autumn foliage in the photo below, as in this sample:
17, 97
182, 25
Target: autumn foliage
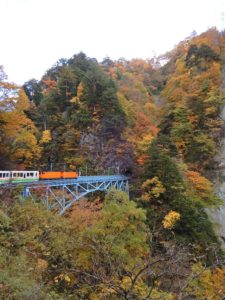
157, 121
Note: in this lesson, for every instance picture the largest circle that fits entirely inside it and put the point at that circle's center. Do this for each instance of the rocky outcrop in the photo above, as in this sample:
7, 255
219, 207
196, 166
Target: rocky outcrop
107, 151
218, 215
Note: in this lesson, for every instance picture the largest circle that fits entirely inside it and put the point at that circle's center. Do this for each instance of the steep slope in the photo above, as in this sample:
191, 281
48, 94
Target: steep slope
218, 215
181, 159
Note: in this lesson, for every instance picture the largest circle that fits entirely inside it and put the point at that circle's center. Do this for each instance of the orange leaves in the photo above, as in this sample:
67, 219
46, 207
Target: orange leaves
200, 184
86, 213
143, 125
200, 189
141, 135
142, 159
193, 119
50, 84
42, 264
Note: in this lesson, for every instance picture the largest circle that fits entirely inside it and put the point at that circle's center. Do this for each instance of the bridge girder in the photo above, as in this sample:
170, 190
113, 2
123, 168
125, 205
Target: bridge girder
60, 195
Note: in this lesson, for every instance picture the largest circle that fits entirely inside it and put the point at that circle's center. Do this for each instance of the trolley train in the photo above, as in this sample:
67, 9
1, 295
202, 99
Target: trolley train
30, 176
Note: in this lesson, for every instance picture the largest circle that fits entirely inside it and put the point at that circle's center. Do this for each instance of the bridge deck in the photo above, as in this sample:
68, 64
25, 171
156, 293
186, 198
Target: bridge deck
61, 182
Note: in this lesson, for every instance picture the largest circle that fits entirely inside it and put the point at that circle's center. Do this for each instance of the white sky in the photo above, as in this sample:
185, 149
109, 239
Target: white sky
36, 33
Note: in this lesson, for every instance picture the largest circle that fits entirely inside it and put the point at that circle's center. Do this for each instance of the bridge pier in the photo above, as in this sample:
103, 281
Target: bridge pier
25, 192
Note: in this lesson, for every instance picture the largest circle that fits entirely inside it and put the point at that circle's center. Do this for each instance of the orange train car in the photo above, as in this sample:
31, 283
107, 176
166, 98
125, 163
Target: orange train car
69, 175
58, 175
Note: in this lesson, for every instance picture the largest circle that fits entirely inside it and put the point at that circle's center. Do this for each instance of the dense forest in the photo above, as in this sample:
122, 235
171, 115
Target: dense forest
159, 122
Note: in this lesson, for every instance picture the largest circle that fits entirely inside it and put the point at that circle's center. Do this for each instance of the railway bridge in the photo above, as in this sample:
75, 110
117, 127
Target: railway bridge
61, 194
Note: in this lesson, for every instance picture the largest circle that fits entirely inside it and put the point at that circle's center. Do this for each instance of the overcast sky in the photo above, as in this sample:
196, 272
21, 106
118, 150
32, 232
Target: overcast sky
36, 33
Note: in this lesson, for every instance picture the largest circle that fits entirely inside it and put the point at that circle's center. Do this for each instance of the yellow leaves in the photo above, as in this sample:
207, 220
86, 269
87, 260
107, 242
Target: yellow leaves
180, 66
128, 107
19, 131
14, 121
140, 288
126, 282
67, 278
145, 142
80, 91
46, 137
103, 292
151, 108
180, 145
22, 102
25, 147
152, 189
159, 295
64, 277
170, 219
210, 111
207, 283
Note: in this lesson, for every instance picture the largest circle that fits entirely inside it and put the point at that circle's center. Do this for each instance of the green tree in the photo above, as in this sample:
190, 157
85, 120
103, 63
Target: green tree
194, 223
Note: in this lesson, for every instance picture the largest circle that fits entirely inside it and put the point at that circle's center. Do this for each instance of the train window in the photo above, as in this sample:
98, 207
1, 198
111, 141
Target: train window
3, 175
0, 175
32, 174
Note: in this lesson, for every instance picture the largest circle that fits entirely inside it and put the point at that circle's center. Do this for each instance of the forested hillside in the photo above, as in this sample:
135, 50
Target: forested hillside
157, 121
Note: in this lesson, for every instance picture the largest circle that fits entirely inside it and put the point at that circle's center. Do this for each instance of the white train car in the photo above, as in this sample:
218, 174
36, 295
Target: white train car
5, 176
18, 176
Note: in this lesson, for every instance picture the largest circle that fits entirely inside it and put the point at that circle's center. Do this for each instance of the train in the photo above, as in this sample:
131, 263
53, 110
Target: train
30, 176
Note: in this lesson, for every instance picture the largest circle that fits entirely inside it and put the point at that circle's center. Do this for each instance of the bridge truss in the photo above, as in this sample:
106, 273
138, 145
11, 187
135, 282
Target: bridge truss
59, 195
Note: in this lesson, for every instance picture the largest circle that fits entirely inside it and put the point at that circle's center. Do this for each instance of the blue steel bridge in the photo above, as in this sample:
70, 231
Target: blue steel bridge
61, 194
